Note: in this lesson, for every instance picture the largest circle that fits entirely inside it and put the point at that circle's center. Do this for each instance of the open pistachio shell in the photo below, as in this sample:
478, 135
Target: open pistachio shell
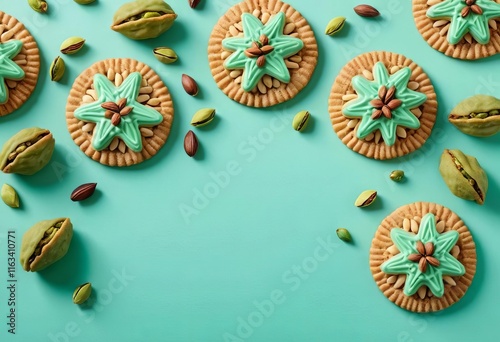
463, 175
478, 115
45, 243
27, 152
143, 19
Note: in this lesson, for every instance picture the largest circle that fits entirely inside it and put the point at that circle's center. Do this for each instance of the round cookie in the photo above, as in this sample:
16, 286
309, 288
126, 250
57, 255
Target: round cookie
459, 28
19, 64
119, 112
382, 105
262, 52
423, 257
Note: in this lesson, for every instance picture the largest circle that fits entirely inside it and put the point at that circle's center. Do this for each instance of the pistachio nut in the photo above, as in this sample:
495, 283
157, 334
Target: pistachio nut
366, 198
57, 69
463, 175
203, 117
344, 235
84, 2
27, 152
300, 120
478, 115
72, 45
165, 55
143, 19
9, 196
397, 175
40, 6
335, 26
82, 293
45, 243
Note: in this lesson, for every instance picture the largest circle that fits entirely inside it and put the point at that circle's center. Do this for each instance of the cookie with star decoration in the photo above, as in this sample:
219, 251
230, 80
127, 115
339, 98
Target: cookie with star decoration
464, 29
423, 257
19, 64
119, 112
262, 52
382, 105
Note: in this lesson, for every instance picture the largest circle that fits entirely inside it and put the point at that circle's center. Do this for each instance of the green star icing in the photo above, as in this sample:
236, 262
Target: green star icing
367, 91
475, 24
433, 276
284, 46
8, 68
128, 129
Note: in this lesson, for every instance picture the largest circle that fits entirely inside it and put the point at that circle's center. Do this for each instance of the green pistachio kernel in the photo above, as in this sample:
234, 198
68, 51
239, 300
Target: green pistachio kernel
9, 196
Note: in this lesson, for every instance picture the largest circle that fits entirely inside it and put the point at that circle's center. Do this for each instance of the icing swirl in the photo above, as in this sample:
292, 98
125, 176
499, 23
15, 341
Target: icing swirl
8, 68
387, 113
116, 113
261, 50
466, 16
435, 255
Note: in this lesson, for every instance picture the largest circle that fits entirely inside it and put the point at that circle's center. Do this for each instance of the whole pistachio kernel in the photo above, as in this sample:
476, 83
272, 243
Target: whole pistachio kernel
82, 293
165, 55
84, 2
143, 19
57, 69
344, 235
9, 196
39, 6
397, 175
366, 198
27, 152
335, 26
300, 120
203, 117
72, 45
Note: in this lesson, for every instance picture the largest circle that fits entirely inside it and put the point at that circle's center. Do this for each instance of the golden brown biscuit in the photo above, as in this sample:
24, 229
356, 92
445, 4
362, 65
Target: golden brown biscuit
450, 261
270, 90
111, 129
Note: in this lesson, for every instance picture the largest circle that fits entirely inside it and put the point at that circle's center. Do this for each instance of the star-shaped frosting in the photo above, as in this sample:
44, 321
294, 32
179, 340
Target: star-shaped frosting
463, 20
408, 245
283, 46
8, 68
363, 107
123, 122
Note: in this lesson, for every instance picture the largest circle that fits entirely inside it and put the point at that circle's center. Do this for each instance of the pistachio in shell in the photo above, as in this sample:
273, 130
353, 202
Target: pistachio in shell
478, 115
143, 19
45, 243
27, 152
463, 175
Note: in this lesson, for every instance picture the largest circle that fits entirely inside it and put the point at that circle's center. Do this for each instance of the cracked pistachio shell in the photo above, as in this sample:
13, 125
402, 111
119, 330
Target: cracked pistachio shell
54, 250
39, 6
335, 26
165, 55
203, 117
82, 293
32, 158
84, 2
57, 69
143, 19
366, 198
300, 120
477, 126
72, 45
459, 185
9, 196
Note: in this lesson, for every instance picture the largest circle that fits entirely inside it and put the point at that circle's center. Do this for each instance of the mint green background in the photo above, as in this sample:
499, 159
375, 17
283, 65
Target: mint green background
196, 279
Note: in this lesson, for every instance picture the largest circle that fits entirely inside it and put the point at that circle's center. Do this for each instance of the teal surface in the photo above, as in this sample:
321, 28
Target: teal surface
255, 256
